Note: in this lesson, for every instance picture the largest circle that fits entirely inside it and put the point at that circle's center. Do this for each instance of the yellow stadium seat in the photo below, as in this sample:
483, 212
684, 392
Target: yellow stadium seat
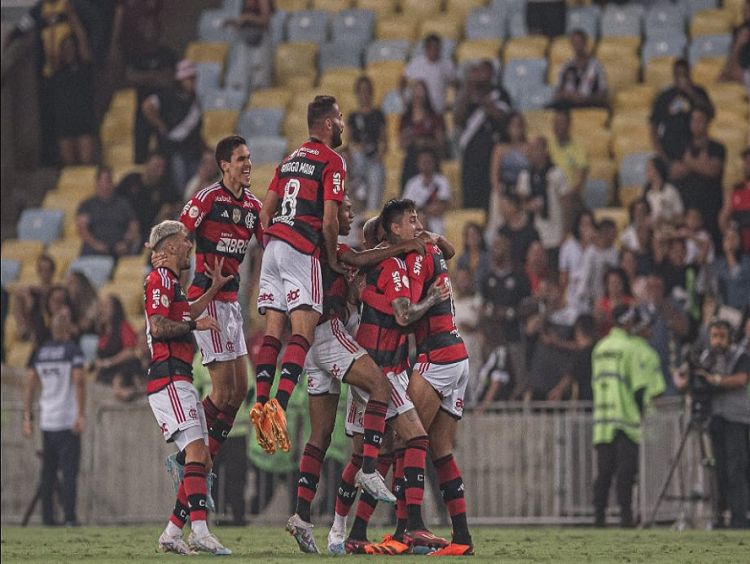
291, 58
19, 354
261, 177
65, 201
658, 72
618, 215
392, 125
463, 7
22, 251
625, 123
596, 141
119, 155
124, 100
340, 80
628, 194
292, 5
207, 51
589, 117
613, 48
478, 49
419, 8
636, 96
630, 143
396, 27
382, 8
456, 219
130, 267
385, 76
733, 172
727, 93
219, 122
277, 97
130, 293
602, 169
735, 138
302, 81
622, 73
115, 126
331, 5
393, 161
295, 130
446, 26
64, 251
538, 122
452, 171
529, 47
730, 115
711, 22
76, 176
120, 172
707, 70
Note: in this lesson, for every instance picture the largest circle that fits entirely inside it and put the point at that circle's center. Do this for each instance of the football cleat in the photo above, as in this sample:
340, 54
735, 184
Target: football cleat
208, 543
423, 541
263, 430
388, 546
336, 539
175, 470
275, 414
374, 485
174, 543
454, 549
302, 533
356, 546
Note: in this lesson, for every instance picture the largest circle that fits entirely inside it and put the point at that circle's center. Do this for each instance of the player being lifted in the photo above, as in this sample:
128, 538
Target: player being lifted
300, 217
335, 357
171, 394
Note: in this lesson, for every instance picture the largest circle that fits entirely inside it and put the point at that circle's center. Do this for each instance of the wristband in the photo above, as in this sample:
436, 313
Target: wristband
192, 325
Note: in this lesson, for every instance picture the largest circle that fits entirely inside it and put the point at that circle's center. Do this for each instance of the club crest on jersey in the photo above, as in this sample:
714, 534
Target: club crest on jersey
236, 215
193, 212
250, 220
193, 414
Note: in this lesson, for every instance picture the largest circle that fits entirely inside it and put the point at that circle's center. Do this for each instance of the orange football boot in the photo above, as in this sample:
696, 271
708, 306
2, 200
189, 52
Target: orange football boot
275, 414
263, 428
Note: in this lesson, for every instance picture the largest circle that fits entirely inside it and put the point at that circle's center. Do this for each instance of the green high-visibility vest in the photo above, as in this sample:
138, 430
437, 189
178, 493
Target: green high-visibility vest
615, 374
648, 369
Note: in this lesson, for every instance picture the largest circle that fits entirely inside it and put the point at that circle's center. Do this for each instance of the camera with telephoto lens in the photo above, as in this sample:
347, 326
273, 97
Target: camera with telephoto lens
700, 390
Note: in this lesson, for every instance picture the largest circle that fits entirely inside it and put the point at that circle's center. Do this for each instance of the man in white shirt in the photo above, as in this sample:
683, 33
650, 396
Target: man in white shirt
430, 191
596, 260
436, 72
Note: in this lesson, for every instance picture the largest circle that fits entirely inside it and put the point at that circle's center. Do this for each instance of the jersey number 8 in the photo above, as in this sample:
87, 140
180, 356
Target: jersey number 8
289, 203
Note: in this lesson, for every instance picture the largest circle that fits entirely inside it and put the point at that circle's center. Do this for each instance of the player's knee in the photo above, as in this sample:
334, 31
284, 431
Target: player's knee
222, 394
380, 388
239, 393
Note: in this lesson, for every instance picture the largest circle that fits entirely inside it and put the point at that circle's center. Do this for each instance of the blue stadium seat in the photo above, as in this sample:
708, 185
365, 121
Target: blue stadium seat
523, 75
278, 27
260, 121
40, 225
340, 54
664, 46
308, 26
633, 169
267, 149
709, 46
9, 271
211, 26
485, 23
232, 8
97, 268
393, 103
89, 344
534, 98
692, 7
622, 21
509, 6
664, 16
585, 18
224, 99
353, 25
596, 194
387, 50
517, 25
447, 52
209, 78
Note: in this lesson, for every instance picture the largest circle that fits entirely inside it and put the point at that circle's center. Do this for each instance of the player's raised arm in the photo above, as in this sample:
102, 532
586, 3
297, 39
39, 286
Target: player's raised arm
371, 257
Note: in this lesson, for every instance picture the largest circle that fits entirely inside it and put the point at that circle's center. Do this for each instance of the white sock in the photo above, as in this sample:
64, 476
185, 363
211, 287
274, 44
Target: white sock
172, 529
339, 522
200, 528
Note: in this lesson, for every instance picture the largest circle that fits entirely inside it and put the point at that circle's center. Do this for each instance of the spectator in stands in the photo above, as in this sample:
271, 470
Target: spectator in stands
430, 191
475, 258
670, 114
582, 81
479, 112
497, 375
106, 222
467, 311
639, 214
572, 159
518, 229
116, 353
584, 335
537, 266
150, 194
420, 128
737, 66
437, 72
503, 290
149, 70
700, 247
737, 207
30, 300
663, 198
616, 292
253, 51
681, 279
73, 98
597, 258
176, 115
57, 370
545, 190
698, 174
134, 21
629, 265
571, 254
546, 17
367, 145
732, 271
83, 301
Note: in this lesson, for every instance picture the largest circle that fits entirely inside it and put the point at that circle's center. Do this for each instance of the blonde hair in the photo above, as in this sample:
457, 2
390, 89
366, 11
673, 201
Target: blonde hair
162, 231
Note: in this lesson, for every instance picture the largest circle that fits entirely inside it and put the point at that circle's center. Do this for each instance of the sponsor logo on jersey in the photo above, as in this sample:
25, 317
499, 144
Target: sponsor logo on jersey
225, 214
396, 281
231, 245
418, 265
155, 298
338, 183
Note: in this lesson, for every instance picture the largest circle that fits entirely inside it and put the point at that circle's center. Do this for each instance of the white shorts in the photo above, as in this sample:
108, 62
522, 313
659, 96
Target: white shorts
228, 343
179, 413
449, 381
332, 354
289, 279
356, 403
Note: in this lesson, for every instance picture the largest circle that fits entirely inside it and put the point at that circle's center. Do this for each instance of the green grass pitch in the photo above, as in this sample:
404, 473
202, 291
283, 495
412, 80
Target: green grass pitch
132, 545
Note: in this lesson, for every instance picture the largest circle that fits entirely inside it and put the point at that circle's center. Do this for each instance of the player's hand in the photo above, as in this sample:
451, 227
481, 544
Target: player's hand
79, 425
158, 259
218, 279
440, 291
207, 323
28, 428
417, 245
338, 267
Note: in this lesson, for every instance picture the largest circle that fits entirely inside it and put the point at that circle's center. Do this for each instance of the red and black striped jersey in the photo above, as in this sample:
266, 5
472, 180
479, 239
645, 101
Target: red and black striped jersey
307, 178
335, 289
436, 333
223, 226
171, 359
378, 333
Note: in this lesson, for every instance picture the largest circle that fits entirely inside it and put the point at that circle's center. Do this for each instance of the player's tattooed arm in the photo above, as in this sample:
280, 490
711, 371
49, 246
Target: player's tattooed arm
445, 246
407, 312
165, 329
377, 255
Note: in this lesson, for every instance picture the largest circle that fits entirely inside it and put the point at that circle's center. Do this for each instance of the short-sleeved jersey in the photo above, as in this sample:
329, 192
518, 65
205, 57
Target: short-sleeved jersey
335, 290
223, 226
436, 333
171, 359
307, 178
54, 363
379, 334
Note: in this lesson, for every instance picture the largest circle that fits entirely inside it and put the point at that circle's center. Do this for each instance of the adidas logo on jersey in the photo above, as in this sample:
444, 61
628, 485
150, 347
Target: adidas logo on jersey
225, 213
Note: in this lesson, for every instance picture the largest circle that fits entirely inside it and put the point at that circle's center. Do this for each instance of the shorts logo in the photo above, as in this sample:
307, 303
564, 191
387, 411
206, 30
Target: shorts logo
310, 383
335, 371
236, 215
230, 346
165, 301
193, 212
292, 295
164, 428
459, 403
265, 298
193, 413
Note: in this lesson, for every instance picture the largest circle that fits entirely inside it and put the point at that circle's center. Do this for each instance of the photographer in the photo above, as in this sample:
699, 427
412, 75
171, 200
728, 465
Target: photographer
726, 369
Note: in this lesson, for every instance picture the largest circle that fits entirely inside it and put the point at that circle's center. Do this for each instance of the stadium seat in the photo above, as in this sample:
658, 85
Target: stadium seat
218, 123
130, 294
278, 27
637, 96
292, 5
461, 8
211, 26
707, 70
626, 195
119, 154
89, 344
622, 20
585, 18
387, 50
208, 79
74, 177
483, 23
728, 93
692, 7
603, 169
340, 54
456, 219
232, 7
588, 118
262, 175
223, 99
353, 25
9, 271
535, 97
332, 6
396, 28
114, 126
658, 72
260, 121
292, 60
632, 171
618, 215
538, 122
531, 47
124, 100
64, 251
596, 141
277, 97
478, 49
447, 51
711, 22
340, 80
445, 26
267, 149
97, 268
627, 144
382, 8
664, 16
419, 9
386, 76
521, 75
19, 354
508, 6
709, 46
207, 51
40, 225
597, 193
664, 46
622, 73
630, 120
307, 26
133, 267
517, 25
451, 169
734, 138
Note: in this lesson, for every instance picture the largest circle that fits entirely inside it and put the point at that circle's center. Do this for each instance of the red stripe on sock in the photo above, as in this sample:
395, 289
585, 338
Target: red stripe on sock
312, 460
195, 485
